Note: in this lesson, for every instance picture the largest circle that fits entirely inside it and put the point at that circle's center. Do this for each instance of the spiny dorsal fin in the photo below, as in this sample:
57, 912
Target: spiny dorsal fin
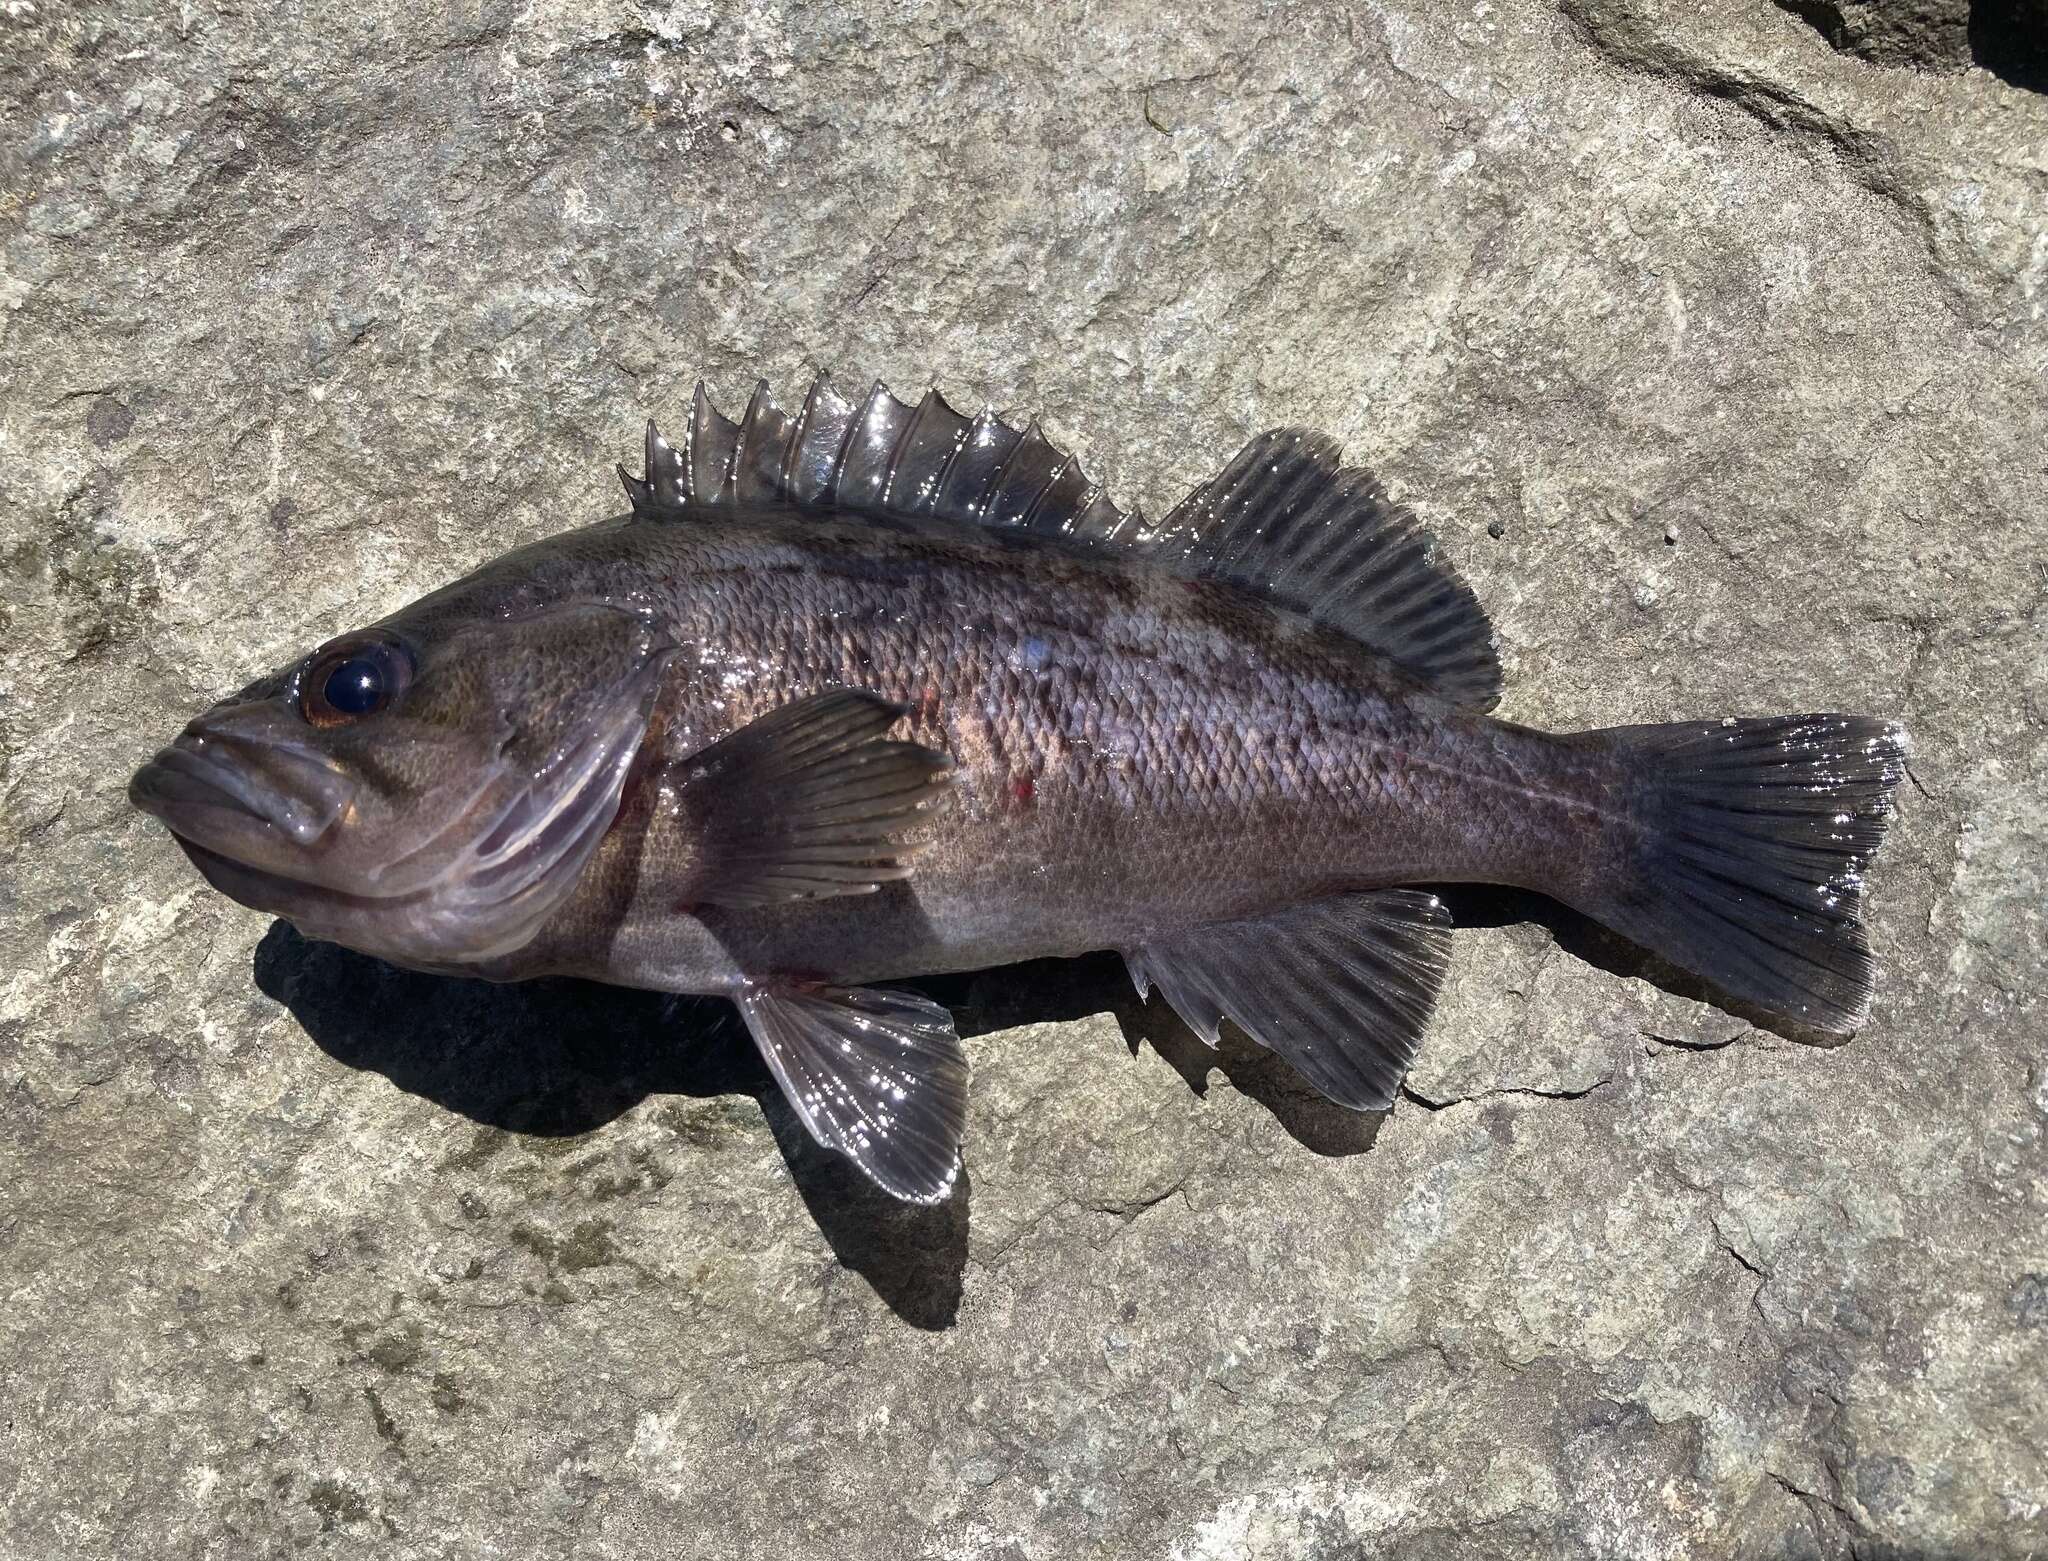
1284, 521
878, 457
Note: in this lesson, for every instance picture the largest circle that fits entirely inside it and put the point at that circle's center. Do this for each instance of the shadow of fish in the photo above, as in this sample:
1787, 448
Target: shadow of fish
880, 691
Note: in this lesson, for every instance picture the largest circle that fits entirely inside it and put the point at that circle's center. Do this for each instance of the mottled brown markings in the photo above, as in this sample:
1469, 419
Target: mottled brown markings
1190, 752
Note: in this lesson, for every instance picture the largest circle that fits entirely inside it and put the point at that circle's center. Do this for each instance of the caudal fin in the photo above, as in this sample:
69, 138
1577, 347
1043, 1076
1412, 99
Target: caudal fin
1747, 858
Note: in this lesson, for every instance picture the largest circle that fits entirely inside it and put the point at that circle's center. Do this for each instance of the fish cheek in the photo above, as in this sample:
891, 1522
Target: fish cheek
414, 781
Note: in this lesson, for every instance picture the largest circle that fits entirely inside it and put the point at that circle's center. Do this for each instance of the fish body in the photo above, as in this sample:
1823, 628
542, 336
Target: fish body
879, 692
1132, 754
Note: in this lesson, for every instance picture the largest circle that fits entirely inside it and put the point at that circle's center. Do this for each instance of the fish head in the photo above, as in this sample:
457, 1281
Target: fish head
427, 789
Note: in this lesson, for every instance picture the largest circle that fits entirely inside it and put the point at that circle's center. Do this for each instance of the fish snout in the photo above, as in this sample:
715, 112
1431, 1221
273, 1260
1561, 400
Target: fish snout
227, 772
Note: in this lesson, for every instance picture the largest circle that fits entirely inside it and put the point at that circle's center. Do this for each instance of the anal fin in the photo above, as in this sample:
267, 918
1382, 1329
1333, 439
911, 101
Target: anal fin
879, 1076
1340, 987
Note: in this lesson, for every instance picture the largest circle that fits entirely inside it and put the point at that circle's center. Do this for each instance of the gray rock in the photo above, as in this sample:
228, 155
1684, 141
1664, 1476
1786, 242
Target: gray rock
1714, 355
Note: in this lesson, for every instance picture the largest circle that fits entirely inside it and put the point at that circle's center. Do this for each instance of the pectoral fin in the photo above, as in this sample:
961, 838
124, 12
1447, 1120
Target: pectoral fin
811, 800
879, 1076
1340, 987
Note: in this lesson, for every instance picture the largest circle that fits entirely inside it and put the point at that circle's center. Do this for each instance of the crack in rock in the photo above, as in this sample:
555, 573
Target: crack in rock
1427, 1103
1872, 159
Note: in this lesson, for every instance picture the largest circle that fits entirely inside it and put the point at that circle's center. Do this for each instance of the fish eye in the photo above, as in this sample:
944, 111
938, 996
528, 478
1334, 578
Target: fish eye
348, 682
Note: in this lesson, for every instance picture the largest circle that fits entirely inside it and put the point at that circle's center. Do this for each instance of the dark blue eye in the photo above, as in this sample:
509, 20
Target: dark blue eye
356, 687
350, 682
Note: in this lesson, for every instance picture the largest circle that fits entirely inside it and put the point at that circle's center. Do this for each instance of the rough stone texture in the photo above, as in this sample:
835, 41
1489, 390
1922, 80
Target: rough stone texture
1716, 356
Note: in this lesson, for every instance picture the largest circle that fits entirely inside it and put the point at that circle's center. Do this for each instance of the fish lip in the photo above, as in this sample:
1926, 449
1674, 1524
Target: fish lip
186, 793
247, 884
178, 778
207, 786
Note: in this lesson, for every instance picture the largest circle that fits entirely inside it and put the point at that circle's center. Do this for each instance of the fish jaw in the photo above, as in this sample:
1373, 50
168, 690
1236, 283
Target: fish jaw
233, 793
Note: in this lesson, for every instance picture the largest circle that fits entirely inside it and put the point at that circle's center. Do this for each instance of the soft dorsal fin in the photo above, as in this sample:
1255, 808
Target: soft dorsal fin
878, 457
1285, 521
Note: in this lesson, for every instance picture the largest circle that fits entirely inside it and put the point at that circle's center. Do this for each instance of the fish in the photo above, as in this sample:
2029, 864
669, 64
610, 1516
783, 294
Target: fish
879, 691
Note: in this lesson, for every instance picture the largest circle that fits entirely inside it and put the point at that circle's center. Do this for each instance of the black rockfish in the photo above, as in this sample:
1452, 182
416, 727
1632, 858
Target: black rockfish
881, 691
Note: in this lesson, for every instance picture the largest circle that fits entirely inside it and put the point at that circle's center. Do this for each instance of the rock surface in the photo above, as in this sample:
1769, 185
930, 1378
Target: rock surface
1716, 356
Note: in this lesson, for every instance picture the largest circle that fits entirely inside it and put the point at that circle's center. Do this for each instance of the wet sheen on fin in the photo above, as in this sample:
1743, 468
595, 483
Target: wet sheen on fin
1285, 522
1745, 858
881, 457
1340, 987
879, 1076
811, 800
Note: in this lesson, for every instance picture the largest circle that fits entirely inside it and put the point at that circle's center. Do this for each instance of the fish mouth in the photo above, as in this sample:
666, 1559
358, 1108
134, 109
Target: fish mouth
241, 795
254, 886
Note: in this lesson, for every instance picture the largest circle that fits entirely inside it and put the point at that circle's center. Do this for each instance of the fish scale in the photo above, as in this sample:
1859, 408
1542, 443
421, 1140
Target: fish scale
1116, 793
880, 691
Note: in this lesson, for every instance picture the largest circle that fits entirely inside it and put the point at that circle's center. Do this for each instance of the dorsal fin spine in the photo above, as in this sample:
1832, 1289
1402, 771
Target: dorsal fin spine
945, 478
853, 424
818, 449
700, 422
799, 434
750, 430
651, 458
638, 493
1027, 446
990, 429
904, 437
931, 414
1030, 511
938, 482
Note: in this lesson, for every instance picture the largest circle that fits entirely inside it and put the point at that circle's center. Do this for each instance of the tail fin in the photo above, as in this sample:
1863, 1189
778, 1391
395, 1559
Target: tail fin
1747, 863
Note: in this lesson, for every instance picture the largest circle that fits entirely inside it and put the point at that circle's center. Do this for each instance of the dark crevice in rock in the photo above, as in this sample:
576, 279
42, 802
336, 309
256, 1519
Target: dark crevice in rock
1409, 1092
1630, 42
2009, 38
1927, 34
1823, 16
1827, 1512
1759, 1274
1549, 1094
1128, 1210
1870, 157
1682, 1044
